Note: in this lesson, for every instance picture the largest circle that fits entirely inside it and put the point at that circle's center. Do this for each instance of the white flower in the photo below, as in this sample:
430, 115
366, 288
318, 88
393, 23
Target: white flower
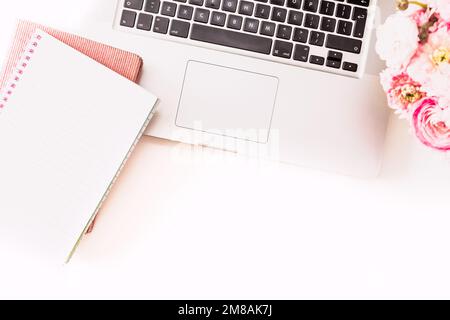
443, 7
431, 65
438, 83
398, 40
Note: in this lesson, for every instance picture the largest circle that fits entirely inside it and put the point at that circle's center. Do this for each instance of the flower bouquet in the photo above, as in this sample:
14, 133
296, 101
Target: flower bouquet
415, 43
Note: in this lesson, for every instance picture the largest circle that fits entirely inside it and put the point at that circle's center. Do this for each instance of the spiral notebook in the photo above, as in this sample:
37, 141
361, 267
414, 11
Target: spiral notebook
123, 62
67, 126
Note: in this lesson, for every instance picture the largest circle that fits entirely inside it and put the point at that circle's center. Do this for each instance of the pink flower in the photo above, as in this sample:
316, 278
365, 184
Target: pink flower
431, 65
419, 15
402, 92
442, 7
432, 124
398, 40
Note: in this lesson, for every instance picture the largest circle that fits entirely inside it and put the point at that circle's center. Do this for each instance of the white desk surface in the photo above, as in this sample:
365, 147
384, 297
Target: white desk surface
190, 224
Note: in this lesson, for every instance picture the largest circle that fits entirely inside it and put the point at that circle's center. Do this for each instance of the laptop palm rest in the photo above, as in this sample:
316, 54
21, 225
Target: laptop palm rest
226, 101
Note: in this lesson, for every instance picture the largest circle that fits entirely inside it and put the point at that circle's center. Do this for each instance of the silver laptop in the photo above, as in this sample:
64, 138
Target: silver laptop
294, 81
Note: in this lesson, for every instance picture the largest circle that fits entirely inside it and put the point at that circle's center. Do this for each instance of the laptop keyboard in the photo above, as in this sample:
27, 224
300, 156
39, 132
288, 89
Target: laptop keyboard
321, 34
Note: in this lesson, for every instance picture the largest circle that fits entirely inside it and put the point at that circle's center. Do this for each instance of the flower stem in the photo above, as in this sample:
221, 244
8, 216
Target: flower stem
418, 3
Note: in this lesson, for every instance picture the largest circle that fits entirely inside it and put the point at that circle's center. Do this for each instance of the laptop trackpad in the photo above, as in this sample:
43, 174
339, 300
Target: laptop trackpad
227, 101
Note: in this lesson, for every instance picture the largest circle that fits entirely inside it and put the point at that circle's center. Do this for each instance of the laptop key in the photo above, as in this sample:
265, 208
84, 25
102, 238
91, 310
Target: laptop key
185, 12
179, 28
251, 25
229, 5
161, 25
128, 19
262, 11
360, 18
279, 14
231, 39
364, 3
343, 11
328, 24
218, 18
317, 60
312, 21
282, 49
152, 6
360, 27
300, 35
144, 22
317, 38
327, 8
277, 2
246, 8
196, 2
334, 59
234, 22
359, 14
201, 15
335, 55
169, 9
345, 27
343, 43
295, 4
348, 66
336, 64
311, 5
267, 28
284, 32
134, 4
301, 53
213, 4
295, 17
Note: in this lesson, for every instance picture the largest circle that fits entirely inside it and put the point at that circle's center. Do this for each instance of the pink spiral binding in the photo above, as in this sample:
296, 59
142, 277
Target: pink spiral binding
21, 67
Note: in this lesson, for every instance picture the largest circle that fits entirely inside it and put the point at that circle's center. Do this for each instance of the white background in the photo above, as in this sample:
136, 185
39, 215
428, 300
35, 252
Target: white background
188, 223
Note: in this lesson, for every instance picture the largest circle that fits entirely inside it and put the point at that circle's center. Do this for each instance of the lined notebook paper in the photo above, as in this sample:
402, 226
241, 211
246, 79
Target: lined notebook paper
67, 126
123, 62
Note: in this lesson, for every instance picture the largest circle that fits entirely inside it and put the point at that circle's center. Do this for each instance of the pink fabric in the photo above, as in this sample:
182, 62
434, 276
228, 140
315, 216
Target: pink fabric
124, 63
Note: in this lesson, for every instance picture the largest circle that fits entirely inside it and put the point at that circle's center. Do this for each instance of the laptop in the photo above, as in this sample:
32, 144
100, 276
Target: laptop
294, 81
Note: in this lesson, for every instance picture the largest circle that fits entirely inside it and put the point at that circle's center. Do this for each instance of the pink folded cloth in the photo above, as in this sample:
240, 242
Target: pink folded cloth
124, 63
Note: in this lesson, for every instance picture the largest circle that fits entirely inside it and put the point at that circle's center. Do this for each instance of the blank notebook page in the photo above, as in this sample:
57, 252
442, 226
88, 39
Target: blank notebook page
66, 129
